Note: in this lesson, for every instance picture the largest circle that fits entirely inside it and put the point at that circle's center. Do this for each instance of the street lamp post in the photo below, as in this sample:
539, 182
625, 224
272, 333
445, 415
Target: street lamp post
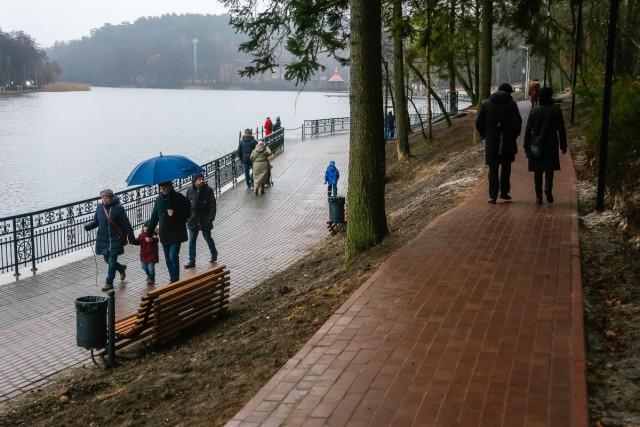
526, 72
195, 60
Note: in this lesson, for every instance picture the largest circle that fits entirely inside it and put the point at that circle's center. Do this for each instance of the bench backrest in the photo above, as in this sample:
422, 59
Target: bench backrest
166, 311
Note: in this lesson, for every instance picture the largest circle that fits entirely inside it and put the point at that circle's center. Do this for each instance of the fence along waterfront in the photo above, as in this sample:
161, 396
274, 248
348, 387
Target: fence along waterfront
318, 127
47, 234
31, 238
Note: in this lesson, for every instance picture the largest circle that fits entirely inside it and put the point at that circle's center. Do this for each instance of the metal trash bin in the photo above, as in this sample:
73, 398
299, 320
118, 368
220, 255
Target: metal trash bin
336, 209
91, 322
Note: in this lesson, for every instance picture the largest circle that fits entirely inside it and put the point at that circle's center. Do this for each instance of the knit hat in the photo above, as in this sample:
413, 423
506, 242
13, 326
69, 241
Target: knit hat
332, 162
198, 175
248, 131
107, 193
505, 87
166, 184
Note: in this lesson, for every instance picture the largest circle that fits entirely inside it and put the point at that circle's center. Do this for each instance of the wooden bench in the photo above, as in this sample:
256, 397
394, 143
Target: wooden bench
168, 310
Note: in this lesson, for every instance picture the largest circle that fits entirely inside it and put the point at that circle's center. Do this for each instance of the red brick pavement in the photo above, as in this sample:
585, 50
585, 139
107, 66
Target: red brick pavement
37, 314
475, 322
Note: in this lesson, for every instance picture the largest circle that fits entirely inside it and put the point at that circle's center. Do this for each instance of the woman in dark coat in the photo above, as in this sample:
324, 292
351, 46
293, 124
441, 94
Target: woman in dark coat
107, 238
546, 128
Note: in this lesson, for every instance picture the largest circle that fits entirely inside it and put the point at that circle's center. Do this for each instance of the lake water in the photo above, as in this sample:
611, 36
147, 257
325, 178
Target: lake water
60, 148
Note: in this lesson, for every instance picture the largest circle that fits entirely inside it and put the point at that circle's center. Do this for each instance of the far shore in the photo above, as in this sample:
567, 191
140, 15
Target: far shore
65, 87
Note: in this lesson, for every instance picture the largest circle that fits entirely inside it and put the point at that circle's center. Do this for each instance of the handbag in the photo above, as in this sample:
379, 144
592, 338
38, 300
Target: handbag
121, 234
535, 149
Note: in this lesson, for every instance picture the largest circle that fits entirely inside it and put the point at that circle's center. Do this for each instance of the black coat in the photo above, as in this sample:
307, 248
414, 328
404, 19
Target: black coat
247, 145
203, 207
107, 239
546, 126
499, 116
172, 229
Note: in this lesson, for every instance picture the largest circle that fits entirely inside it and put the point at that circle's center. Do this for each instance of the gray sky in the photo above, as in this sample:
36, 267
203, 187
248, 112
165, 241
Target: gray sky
48, 21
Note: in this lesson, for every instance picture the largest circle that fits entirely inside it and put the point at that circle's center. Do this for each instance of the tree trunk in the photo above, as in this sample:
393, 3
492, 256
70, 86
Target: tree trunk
367, 222
428, 78
486, 50
402, 116
451, 69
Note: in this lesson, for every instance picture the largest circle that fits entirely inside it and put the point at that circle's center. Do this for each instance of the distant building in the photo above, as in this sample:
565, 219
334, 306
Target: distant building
336, 82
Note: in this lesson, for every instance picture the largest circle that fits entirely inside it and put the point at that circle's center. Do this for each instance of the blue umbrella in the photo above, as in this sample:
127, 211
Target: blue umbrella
162, 169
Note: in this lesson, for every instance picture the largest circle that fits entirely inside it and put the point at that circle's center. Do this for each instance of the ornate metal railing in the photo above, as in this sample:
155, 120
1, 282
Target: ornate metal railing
315, 128
28, 239
451, 104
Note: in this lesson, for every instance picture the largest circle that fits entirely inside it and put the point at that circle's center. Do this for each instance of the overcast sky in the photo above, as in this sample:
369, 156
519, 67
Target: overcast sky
48, 21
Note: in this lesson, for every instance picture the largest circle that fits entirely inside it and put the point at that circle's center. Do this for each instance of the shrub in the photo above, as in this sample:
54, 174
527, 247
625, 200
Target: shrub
624, 136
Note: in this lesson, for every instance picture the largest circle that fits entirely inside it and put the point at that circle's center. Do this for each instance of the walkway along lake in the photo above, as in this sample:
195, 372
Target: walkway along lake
59, 148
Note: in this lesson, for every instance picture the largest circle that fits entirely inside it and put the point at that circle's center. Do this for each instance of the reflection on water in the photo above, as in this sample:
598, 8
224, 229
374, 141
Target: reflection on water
60, 148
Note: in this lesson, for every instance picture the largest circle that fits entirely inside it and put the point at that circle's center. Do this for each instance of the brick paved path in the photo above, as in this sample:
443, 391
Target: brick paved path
37, 314
475, 322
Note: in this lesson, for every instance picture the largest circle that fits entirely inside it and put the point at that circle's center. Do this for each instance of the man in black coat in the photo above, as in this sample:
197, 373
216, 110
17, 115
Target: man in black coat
247, 145
203, 213
171, 211
499, 123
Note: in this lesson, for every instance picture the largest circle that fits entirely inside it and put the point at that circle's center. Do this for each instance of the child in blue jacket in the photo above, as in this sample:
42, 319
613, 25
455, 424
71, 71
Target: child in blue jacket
331, 177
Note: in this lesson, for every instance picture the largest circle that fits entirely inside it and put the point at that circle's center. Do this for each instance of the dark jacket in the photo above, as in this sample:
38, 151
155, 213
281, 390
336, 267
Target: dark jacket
247, 145
546, 126
107, 239
172, 229
277, 124
203, 207
499, 116
390, 121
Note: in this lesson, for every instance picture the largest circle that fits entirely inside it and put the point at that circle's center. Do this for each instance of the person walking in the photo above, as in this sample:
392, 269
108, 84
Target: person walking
260, 159
545, 129
112, 222
391, 124
277, 125
149, 254
203, 213
170, 212
268, 127
331, 177
499, 123
245, 148
534, 92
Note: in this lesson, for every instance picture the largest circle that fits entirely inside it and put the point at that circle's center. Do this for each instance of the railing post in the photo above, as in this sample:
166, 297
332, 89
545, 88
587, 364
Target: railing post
234, 177
111, 328
216, 175
33, 245
303, 131
16, 259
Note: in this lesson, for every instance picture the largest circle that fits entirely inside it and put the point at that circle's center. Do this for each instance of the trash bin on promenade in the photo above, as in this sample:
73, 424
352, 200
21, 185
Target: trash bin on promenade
91, 322
336, 209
